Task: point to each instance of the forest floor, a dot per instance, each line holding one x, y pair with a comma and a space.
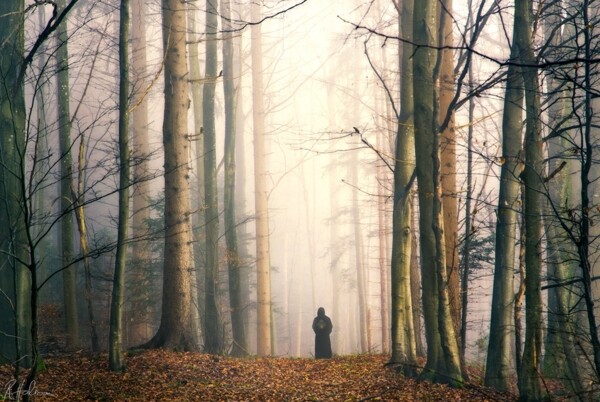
155, 375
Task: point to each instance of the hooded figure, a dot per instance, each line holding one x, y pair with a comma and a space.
322, 326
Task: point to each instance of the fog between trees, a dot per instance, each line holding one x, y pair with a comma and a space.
392, 164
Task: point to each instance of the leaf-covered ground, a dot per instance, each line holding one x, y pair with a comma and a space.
170, 376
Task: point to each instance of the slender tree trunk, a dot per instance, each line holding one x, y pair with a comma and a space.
116, 359
361, 281
586, 160
310, 235
382, 237
244, 236
14, 278
385, 126
42, 165
402, 327
466, 256
448, 161
560, 354
66, 184
530, 374
139, 327
263, 265
213, 340
233, 258
335, 252
79, 198
423, 60
198, 139
499, 361
448, 340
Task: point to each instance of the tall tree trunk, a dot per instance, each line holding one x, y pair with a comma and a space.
384, 117
244, 235
140, 323
116, 360
586, 160
234, 261
530, 373
41, 151
383, 247
448, 160
466, 256
66, 184
361, 281
499, 360
560, 354
423, 60
443, 364
448, 340
79, 197
213, 340
263, 264
403, 335
175, 331
14, 278
335, 252
198, 117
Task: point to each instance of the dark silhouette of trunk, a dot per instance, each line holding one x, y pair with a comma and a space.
560, 352
586, 160
213, 339
15, 330
66, 185
234, 261
530, 387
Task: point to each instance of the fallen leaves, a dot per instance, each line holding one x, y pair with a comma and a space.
168, 376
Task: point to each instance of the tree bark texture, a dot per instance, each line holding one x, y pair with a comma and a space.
443, 364
448, 161
402, 328
175, 330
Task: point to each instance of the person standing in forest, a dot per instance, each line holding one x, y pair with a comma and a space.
322, 326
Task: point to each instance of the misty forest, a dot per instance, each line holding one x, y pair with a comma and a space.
189, 182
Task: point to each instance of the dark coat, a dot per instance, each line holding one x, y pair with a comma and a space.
322, 326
